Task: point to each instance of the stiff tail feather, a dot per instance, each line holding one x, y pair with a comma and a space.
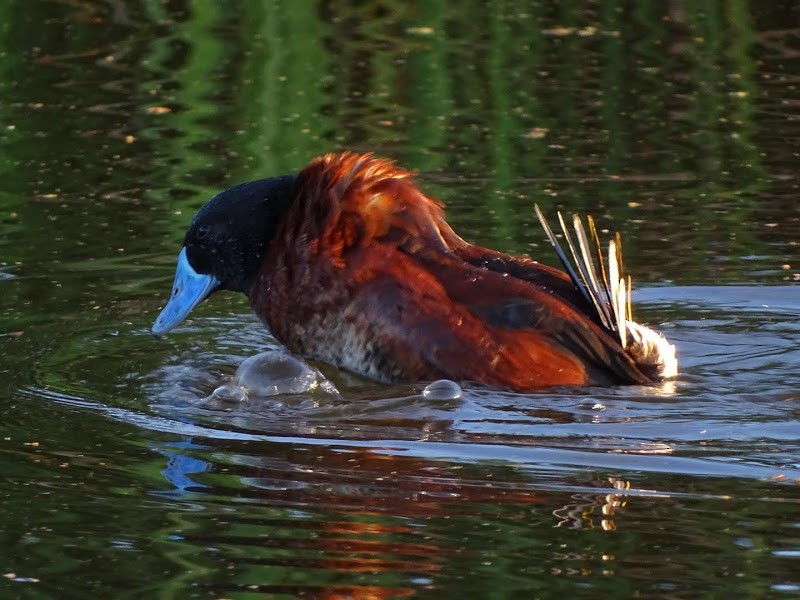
608, 292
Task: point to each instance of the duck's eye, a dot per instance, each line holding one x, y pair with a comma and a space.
202, 231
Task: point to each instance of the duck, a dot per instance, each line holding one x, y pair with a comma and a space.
349, 263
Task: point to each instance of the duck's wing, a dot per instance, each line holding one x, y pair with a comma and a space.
445, 318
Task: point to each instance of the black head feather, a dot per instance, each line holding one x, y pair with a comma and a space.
228, 236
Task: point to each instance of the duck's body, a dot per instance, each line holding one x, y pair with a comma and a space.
358, 268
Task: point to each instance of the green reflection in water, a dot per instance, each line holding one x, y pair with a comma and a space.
284, 100
665, 114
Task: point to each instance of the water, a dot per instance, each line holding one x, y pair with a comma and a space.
124, 477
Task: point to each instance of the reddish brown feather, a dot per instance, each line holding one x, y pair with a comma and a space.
366, 273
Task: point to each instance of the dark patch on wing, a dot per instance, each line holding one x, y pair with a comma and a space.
514, 313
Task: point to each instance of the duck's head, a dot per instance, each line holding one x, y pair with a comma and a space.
225, 244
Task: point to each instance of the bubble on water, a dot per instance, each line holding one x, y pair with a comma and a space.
229, 393
328, 387
442, 389
274, 372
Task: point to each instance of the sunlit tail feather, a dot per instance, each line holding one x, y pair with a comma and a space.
610, 295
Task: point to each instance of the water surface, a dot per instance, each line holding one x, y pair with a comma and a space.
677, 126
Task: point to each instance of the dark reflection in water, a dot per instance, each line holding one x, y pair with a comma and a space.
675, 124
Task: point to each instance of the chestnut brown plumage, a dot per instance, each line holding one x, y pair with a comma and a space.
358, 268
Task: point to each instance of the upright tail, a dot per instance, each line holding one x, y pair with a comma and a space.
610, 296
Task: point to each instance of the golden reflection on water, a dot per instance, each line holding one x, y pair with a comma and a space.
594, 511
